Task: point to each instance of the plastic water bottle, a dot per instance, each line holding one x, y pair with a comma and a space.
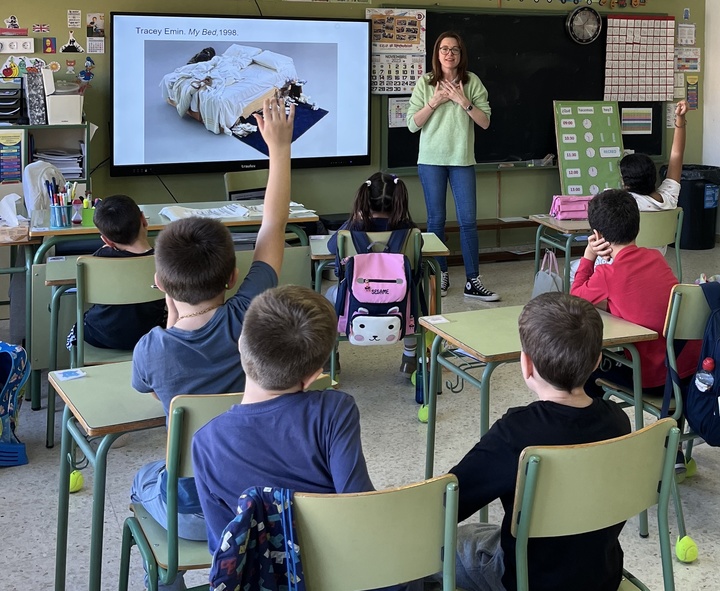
704, 379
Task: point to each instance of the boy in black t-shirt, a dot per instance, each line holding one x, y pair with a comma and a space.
123, 229
561, 340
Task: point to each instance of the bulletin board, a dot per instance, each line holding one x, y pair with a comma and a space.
590, 145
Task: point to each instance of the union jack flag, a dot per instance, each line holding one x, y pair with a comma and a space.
41, 28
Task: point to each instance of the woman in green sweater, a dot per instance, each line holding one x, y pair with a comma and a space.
446, 105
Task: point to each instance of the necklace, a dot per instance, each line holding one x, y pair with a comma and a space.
200, 313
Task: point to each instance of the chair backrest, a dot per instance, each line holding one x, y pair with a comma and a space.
413, 245
376, 539
687, 314
112, 281
244, 180
295, 270
660, 228
102, 280
573, 489
187, 414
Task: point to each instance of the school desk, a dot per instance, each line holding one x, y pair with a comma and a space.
432, 247
51, 236
491, 337
102, 405
559, 234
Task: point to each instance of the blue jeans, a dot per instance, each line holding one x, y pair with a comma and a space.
434, 180
146, 490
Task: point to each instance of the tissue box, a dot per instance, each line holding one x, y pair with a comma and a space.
64, 108
16, 234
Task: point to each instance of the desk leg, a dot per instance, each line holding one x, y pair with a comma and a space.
431, 399
568, 252
54, 311
319, 268
639, 420
435, 267
98, 512
299, 232
34, 386
63, 504
485, 414
538, 237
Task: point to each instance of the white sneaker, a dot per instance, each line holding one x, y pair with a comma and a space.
444, 283
474, 288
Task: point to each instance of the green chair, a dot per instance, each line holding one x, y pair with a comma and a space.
687, 315
163, 553
574, 489
350, 541
110, 281
296, 268
660, 228
413, 251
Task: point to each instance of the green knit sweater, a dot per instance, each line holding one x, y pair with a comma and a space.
448, 136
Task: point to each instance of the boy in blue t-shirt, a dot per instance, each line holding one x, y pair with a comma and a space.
195, 264
280, 435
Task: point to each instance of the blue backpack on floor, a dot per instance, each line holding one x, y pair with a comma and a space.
14, 372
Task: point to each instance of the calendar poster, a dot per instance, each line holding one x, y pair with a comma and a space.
395, 73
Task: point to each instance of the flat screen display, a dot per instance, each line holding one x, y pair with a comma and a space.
184, 89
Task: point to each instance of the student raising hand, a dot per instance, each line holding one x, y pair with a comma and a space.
275, 124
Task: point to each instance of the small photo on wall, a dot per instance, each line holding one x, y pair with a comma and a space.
49, 45
95, 24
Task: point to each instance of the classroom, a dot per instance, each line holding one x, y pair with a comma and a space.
394, 441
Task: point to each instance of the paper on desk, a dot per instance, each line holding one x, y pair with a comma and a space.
232, 210
436, 319
69, 374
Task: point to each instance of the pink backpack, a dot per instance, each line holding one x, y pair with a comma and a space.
375, 301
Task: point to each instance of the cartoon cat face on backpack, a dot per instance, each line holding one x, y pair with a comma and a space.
375, 330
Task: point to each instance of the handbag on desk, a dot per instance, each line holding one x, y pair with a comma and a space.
547, 279
568, 207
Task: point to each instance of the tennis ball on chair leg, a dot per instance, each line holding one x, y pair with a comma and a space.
686, 550
76, 481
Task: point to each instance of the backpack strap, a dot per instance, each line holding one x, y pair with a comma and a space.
711, 291
361, 242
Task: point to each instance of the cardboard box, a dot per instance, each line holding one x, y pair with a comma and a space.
61, 108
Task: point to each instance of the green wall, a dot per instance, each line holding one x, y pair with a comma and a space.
510, 193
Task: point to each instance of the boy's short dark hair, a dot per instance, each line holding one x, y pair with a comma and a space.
194, 259
639, 173
118, 218
615, 214
562, 335
288, 333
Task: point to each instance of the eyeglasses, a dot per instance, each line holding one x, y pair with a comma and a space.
445, 50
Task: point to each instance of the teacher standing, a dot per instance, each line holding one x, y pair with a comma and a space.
445, 107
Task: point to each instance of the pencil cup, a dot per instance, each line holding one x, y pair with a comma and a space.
87, 217
60, 216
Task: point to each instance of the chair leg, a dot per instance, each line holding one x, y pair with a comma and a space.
127, 544
50, 422
686, 549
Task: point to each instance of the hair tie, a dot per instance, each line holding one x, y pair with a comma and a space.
368, 182
395, 179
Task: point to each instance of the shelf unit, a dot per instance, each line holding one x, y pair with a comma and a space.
64, 137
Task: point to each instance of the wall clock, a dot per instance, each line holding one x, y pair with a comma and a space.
584, 25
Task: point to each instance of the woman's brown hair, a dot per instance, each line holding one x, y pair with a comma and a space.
436, 74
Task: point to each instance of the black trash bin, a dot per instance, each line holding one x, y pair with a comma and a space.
699, 186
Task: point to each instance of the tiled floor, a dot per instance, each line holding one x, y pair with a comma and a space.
394, 446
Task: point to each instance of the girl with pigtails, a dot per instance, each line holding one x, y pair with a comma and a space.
380, 205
